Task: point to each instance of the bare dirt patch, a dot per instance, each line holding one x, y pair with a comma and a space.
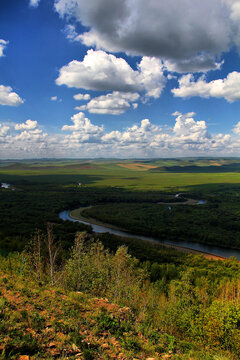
214, 163
139, 167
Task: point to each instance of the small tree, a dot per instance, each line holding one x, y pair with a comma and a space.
36, 254
53, 251
88, 268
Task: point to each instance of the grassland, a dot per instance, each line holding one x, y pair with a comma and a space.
142, 175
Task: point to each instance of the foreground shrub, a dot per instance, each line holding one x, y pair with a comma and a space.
93, 269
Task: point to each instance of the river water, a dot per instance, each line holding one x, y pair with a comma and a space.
215, 250
5, 185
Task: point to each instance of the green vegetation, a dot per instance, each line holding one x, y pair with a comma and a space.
44, 188
142, 174
216, 222
189, 311
100, 296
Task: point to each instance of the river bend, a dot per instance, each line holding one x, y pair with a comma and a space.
213, 250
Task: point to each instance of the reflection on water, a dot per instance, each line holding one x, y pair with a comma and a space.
215, 250
201, 202
5, 185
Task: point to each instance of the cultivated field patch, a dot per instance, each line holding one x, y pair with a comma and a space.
137, 166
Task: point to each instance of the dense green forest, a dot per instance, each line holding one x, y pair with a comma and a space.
216, 222
36, 201
32, 204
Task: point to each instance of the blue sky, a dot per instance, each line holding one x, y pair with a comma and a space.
119, 79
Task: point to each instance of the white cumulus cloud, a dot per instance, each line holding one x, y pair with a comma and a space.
99, 71
3, 44
34, 3
83, 138
28, 125
236, 128
8, 97
55, 98
187, 137
82, 97
151, 76
82, 130
4, 130
106, 72
25, 140
31, 135
115, 103
189, 131
228, 88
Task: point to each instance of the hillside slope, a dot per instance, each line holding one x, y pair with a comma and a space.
42, 323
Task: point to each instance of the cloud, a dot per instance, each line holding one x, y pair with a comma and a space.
8, 97
28, 125
30, 135
187, 137
115, 103
228, 88
82, 130
151, 76
142, 134
105, 72
235, 17
198, 63
55, 98
173, 29
81, 108
3, 44
99, 71
25, 140
4, 129
83, 138
236, 128
70, 32
187, 130
34, 3
82, 97
191, 137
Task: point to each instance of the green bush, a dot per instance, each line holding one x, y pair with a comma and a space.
95, 270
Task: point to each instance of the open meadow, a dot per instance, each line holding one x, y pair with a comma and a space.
167, 174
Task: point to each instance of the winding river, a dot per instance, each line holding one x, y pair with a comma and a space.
213, 250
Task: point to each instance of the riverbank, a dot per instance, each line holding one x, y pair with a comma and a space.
187, 202
76, 215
